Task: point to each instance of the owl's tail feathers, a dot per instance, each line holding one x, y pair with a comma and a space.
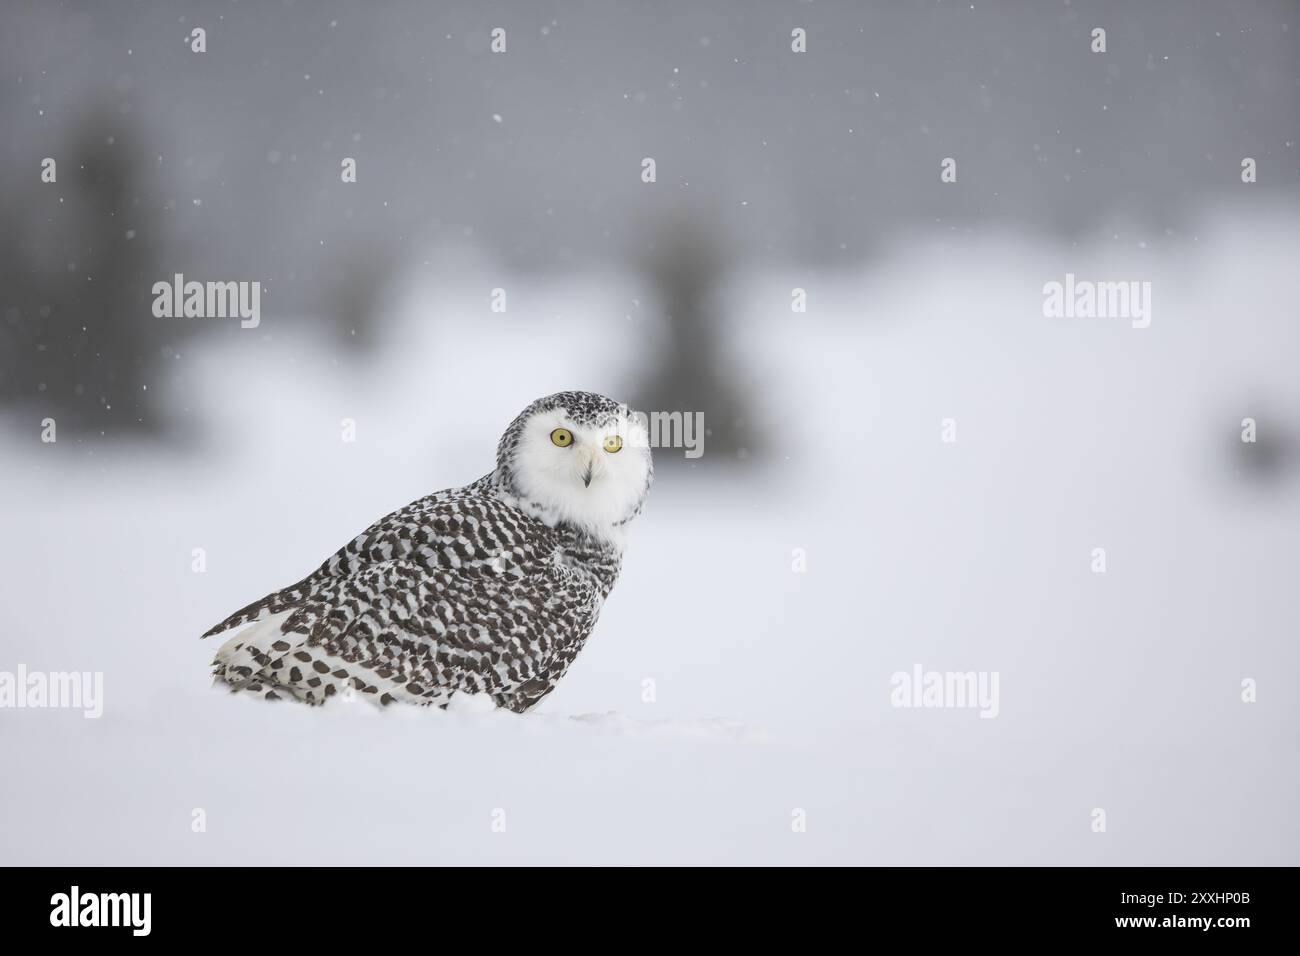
245, 615
273, 603
264, 660
244, 656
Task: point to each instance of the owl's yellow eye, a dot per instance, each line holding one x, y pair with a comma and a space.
613, 443
562, 437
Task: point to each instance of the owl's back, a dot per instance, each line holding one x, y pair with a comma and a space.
459, 591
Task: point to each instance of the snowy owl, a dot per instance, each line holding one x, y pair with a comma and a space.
491, 588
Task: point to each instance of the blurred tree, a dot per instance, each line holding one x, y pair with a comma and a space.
359, 281
693, 371
78, 338
1271, 453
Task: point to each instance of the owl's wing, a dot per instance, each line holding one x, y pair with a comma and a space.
451, 593
458, 530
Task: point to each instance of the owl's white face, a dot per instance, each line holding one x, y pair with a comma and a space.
584, 470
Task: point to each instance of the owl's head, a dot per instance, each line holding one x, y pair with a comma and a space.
579, 459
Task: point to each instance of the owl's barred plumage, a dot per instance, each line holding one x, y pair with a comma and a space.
492, 588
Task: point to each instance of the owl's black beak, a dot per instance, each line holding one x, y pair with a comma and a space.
586, 478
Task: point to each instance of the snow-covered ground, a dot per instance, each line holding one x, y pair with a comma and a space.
771, 688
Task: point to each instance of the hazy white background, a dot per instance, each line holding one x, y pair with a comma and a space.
1118, 691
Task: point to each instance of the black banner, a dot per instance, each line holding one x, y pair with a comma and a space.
1151, 906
